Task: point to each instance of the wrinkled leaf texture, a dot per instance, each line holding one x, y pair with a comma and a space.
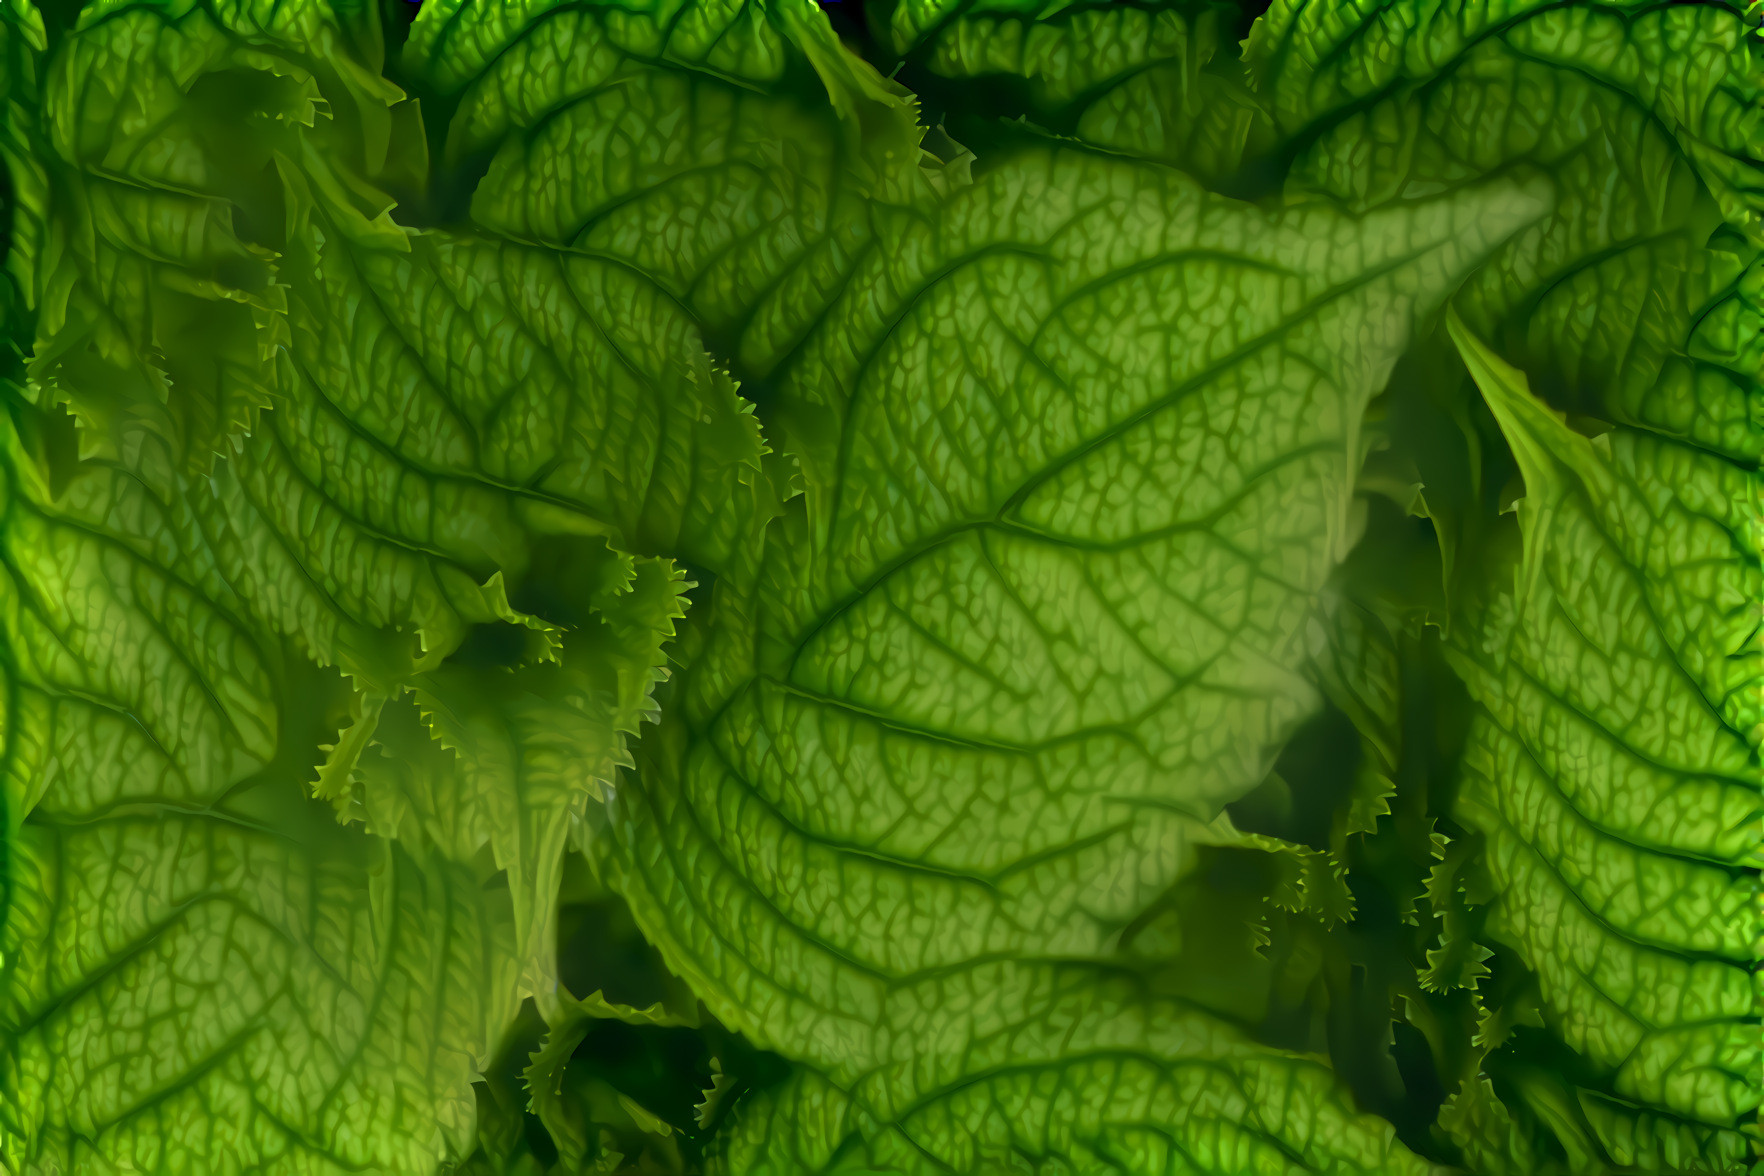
397, 418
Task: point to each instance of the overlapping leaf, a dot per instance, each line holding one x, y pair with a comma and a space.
979, 708
1046, 570
734, 155
1160, 82
1632, 304
376, 503
1613, 770
1648, 122
202, 967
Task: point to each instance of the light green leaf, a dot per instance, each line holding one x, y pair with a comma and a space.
452, 42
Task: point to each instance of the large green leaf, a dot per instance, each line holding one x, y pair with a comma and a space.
1031, 626
1613, 769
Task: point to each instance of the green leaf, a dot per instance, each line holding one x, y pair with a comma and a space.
21, 204
513, 758
200, 965
158, 126
453, 42
1160, 82
399, 492
321, 996
730, 154
977, 711
1230, 1107
545, 1075
1633, 304
1457, 960
1626, 301
1613, 764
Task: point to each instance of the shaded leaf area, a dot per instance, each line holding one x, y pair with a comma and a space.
1001, 710
21, 40
633, 1077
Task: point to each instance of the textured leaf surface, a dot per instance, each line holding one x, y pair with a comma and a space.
717, 150
202, 967
1621, 301
308, 999
1161, 82
1613, 766
1633, 303
370, 423
976, 712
